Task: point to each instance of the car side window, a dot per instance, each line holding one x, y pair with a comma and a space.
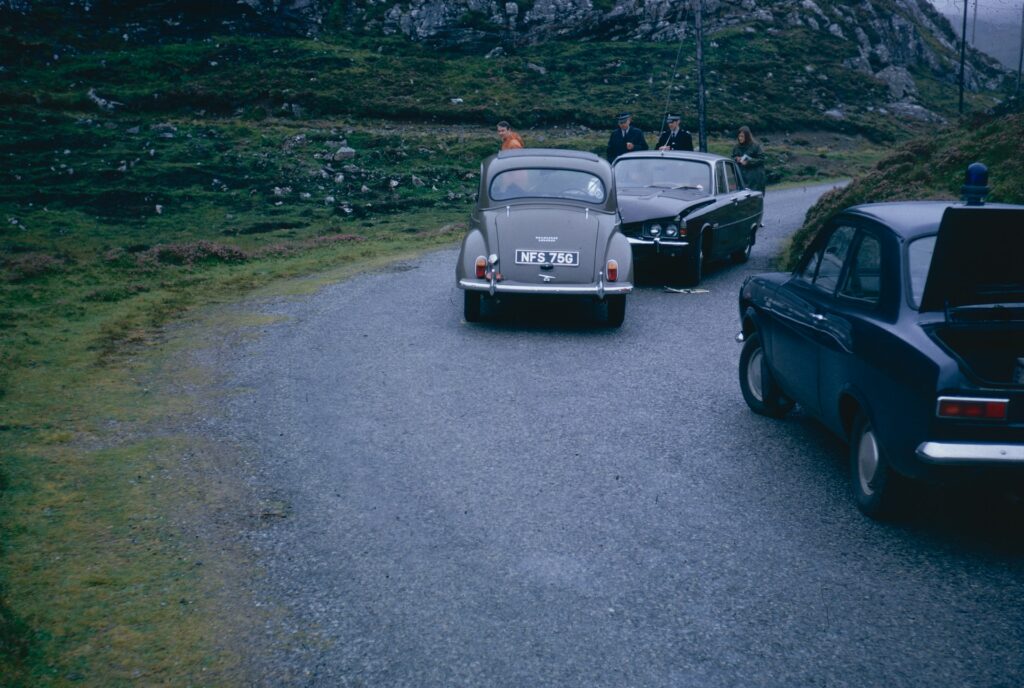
863, 280
720, 181
832, 258
730, 177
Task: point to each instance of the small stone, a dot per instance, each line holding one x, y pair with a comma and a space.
159, 209
365, 189
457, 101
344, 153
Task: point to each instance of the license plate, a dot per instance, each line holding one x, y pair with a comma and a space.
529, 257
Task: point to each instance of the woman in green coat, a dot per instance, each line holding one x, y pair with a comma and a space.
747, 152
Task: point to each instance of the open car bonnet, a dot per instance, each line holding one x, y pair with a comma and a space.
639, 204
978, 259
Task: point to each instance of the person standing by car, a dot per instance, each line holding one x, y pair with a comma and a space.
625, 138
675, 137
509, 138
748, 153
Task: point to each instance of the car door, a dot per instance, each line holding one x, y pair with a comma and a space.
748, 208
854, 324
728, 214
797, 309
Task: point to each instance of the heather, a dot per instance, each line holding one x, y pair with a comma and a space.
930, 167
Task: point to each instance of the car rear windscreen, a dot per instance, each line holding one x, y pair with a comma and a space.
547, 183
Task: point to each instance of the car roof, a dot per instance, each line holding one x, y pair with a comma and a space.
546, 157
547, 152
681, 155
910, 219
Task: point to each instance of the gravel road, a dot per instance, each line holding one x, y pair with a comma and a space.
536, 500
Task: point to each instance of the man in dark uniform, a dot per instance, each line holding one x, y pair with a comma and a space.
675, 137
625, 138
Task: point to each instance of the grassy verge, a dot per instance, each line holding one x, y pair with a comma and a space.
100, 587
928, 168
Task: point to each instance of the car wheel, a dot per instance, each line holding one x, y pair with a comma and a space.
757, 383
616, 310
471, 305
876, 487
744, 255
693, 264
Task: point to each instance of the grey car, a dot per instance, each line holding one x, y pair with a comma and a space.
545, 224
690, 207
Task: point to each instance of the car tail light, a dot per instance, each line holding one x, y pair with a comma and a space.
613, 270
972, 408
481, 267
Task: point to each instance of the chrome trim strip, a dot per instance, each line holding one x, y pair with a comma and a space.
503, 288
969, 453
634, 241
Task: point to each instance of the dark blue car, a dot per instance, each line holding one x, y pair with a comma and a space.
902, 330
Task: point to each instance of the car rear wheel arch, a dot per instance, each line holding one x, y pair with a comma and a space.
849, 407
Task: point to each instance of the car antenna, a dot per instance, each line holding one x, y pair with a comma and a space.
672, 75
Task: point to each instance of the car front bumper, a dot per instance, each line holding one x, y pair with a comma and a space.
673, 247
971, 453
599, 290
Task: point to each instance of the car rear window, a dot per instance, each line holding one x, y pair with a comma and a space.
919, 259
547, 183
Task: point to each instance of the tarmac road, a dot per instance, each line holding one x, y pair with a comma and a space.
536, 500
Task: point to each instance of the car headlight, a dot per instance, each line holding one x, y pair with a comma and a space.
655, 230
671, 231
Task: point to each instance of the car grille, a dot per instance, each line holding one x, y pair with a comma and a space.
633, 229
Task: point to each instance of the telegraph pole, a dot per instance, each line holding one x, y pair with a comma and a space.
702, 129
963, 56
974, 26
1020, 60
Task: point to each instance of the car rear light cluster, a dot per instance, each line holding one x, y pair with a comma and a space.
613, 270
972, 408
481, 267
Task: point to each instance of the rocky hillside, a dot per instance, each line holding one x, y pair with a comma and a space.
889, 36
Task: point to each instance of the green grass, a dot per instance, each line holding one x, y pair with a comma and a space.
929, 168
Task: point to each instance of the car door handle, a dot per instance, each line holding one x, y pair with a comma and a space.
817, 317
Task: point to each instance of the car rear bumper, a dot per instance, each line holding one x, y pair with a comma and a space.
971, 453
599, 290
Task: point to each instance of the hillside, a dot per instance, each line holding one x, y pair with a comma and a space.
930, 167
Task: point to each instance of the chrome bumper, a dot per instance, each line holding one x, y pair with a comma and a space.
965, 453
657, 243
600, 290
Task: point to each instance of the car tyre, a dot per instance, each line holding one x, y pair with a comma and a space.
616, 310
471, 302
693, 264
760, 390
744, 255
877, 488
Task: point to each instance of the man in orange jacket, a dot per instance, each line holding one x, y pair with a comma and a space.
509, 139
